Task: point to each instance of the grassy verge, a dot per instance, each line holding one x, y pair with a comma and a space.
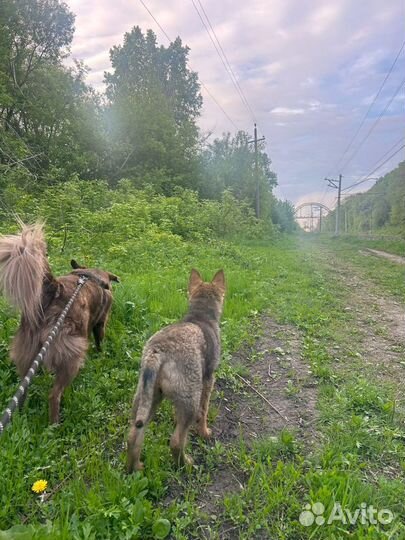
83, 458
389, 276
388, 244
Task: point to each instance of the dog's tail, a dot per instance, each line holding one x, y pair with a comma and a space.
146, 388
23, 266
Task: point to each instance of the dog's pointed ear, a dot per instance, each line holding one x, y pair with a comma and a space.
76, 266
194, 281
113, 277
219, 280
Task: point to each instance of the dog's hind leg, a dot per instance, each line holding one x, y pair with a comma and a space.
137, 434
185, 416
135, 442
66, 361
62, 380
202, 428
98, 333
100, 326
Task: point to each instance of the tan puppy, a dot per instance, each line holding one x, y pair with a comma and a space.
178, 363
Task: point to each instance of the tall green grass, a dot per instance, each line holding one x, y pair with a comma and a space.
83, 459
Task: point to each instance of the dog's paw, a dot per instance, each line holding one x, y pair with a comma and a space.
187, 460
133, 467
205, 433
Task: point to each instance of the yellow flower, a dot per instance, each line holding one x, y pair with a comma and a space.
39, 486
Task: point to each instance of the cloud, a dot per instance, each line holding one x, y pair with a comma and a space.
287, 110
322, 19
307, 68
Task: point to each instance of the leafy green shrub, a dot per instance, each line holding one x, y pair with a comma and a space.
86, 209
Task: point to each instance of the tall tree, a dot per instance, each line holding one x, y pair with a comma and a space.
230, 164
154, 101
50, 121
382, 206
34, 33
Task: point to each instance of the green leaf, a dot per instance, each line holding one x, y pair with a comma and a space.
18, 532
161, 528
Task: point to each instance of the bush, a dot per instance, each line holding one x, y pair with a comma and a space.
83, 210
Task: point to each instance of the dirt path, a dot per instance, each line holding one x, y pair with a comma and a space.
274, 366
379, 318
394, 258
277, 371
378, 328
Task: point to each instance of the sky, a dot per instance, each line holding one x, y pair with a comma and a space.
309, 69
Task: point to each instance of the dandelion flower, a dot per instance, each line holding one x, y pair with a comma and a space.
39, 486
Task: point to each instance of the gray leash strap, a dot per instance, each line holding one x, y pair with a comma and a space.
15, 400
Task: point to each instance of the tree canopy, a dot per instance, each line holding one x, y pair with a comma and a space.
381, 207
54, 127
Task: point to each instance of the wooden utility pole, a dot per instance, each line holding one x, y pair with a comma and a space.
337, 184
257, 175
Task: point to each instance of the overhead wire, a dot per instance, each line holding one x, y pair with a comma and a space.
374, 124
209, 93
364, 119
223, 57
370, 107
367, 177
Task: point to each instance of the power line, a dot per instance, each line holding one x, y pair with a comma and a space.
401, 140
201, 82
156, 21
219, 105
367, 177
370, 106
224, 59
228, 63
374, 124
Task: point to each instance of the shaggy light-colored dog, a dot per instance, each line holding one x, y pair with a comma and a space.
27, 283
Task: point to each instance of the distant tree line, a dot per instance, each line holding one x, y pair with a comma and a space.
54, 127
381, 208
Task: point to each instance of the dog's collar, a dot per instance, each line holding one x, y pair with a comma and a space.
91, 277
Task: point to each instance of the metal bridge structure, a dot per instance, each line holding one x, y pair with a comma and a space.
309, 215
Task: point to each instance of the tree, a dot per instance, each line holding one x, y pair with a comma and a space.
283, 215
154, 101
34, 33
380, 207
229, 163
50, 120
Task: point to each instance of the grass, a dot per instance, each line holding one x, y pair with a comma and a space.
360, 423
389, 244
389, 276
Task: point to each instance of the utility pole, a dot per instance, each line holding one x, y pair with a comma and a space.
257, 194
337, 184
